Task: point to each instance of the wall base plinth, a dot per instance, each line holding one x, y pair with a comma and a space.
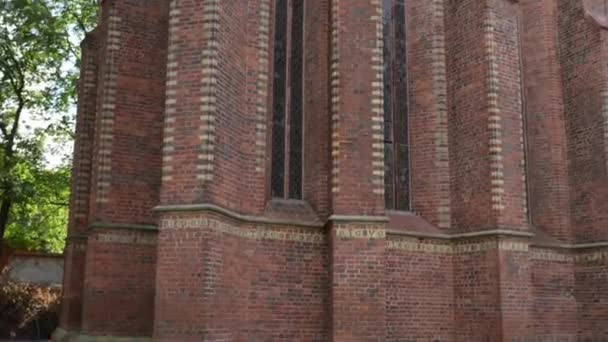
61, 335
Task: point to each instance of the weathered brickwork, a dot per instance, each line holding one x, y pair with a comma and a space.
81, 182
118, 291
429, 111
174, 234
419, 291
265, 282
583, 60
544, 108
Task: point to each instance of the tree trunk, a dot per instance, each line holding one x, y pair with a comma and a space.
4, 211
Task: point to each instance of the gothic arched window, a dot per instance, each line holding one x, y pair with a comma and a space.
287, 118
396, 128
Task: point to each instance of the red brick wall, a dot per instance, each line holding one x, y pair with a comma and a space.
130, 103
428, 111
119, 283
469, 174
591, 276
476, 296
485, 117
515, 290
234, 133
549, 186
357, 184
242, 281
419, 291
73, 284
358, 297
317, 162
188, 80
553, 293
126, 170
179, 93
585, 77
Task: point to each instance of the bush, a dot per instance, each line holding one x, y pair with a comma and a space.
27, 311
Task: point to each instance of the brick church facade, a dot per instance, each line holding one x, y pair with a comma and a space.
341, 170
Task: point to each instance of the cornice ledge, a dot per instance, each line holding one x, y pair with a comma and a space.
576, 246
127, 226
234, 215
484, 233
358, 219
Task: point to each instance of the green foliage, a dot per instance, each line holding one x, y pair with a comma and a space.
39, 222
39, 59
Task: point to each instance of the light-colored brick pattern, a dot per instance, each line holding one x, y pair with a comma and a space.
170, 93
494, 117
442, 156
335, 95
107, 110
209, 82
377, 105
261, 102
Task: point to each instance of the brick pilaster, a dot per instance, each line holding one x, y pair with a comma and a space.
357, 182
71, 313
485, 120
317, 127
128, 130
547, 162
191, 100
583, 30
216, 128
584, 52
357, 271
118, 293
492, 289
429, 146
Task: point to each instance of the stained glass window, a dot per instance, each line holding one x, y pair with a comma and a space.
396, 129
287, 122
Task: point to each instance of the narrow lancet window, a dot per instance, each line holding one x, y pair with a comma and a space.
396, 129
287, 94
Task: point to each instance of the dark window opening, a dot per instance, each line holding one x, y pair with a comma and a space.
396, 129
287, 118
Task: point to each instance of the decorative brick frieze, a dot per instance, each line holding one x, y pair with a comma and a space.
128, 239
574, 253
413, 245
540, 254
255, 232
370, 232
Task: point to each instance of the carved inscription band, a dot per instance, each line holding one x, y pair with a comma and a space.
255, 233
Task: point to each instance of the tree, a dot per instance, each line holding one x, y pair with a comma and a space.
39, 61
